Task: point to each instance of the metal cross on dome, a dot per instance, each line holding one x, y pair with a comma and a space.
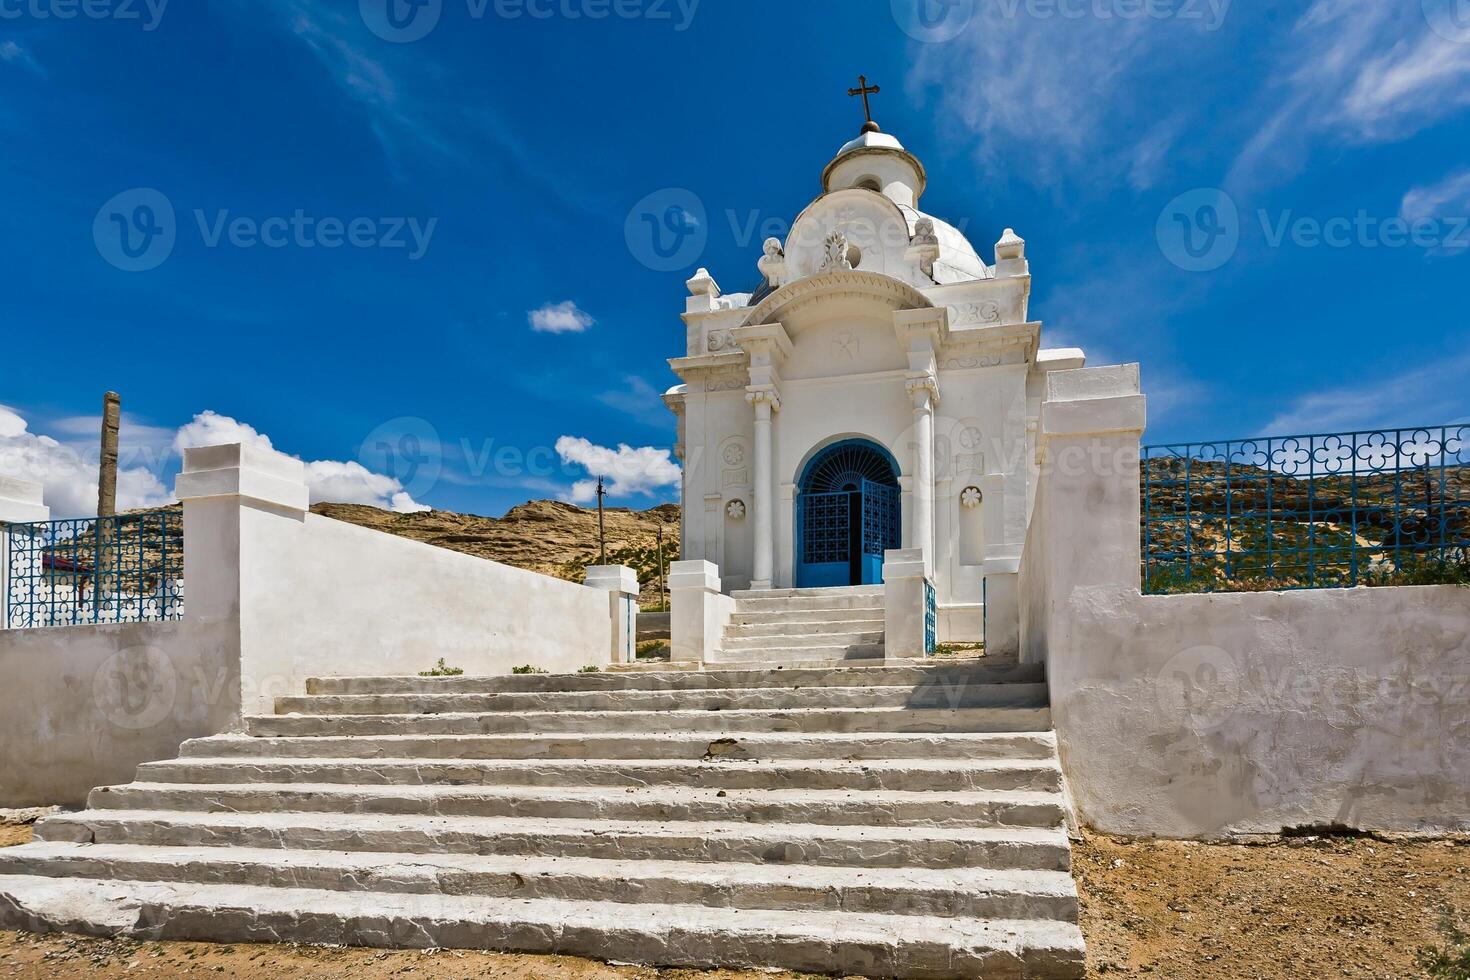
865, 90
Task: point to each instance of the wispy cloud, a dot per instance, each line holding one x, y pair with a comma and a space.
1013, 81
1429, 395
639, 399
11, 53
1353, 71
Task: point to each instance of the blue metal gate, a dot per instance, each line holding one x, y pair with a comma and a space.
847, 516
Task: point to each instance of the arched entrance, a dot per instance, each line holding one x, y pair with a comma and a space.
847, 515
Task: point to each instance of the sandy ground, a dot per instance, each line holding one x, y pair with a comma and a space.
1302, 908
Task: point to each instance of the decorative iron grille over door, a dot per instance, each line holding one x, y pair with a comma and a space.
881, 528
847, 516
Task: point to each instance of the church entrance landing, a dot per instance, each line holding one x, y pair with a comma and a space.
847, 515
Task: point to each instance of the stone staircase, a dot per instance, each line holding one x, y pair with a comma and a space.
905, 820
793, 626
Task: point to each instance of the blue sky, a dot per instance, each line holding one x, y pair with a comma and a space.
449, 311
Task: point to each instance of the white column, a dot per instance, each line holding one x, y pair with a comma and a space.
621, 584
236, 500
923, 392
766, 402
20, 503
698, 612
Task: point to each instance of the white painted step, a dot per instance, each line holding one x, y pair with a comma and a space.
876, 808
906, 775
879, 674
833, 592
786, 626
952, 693
736, 640
1034, 719
674, 935
807, 603
958, 892
1033, 848
836, 656
830, 747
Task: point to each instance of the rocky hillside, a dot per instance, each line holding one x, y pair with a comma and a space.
544, 536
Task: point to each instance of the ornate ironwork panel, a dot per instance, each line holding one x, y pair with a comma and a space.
124, 569
825, 527
881, 523
1379, 507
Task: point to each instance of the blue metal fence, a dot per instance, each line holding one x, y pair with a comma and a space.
931, 619
1377, 507
124, 569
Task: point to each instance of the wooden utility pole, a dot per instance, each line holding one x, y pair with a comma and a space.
107, 470
601, 527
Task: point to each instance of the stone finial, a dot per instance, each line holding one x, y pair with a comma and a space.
703, 284
1010, 255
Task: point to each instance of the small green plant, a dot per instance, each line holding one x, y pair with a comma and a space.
1452, 960
527, 669
442, 670
589, 669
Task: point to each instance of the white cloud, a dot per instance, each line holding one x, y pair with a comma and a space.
559, 318
212, 429
1450, 198
68, 471
332, 481
628, 471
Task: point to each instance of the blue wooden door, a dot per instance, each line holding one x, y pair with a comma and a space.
824, 520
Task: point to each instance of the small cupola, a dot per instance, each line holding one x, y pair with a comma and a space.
875, 161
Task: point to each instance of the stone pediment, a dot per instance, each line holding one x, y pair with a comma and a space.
846, 285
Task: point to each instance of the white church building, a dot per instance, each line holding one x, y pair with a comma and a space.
879, 391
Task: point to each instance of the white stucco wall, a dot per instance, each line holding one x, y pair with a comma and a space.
1226, 714
320, 597
82, 706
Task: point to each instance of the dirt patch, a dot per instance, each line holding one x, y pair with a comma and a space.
1302, 907
14, 834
